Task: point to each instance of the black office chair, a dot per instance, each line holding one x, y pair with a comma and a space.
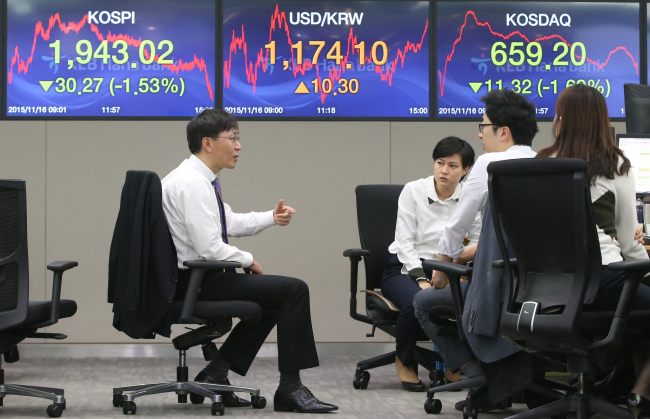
215, 318
19, 317
376, 217
544, 207
450, 317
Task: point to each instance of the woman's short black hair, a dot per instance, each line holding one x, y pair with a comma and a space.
453, 145
208, 123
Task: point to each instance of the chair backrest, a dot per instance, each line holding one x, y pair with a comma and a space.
14, 267
544, 208
376, 217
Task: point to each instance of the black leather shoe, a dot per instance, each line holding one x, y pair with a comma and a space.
415, 387
302, 401
228, 398
637, 404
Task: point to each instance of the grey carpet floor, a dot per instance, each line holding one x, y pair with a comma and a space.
88, 384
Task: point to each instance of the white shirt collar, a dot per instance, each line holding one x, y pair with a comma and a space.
202, 168
433, 196
517, 147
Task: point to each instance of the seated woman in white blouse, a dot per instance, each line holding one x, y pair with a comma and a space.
424, 208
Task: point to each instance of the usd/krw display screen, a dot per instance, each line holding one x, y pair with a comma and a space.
92, 58
326, 59
534, 48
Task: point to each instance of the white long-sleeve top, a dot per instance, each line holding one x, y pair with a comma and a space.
421, 219
192, 211
614, 210
473, 197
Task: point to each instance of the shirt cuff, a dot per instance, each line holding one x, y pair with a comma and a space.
454, 255
267, 220
417, 274
248, 260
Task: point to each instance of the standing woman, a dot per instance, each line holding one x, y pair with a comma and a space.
424, 207
581, 129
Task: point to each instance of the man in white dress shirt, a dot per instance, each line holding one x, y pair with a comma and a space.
200, 223
507, 132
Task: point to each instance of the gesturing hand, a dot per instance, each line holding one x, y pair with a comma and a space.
282, 214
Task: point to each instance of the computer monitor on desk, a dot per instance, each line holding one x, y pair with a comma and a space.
636, 147
637, 108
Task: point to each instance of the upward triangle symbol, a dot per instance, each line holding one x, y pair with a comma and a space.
302, 88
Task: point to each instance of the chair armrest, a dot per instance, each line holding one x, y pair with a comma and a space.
356, 253
355, 256
448, 268
62, 266
634, 270
198, 270
453, 271
57, 268
211, 264
631, 266
499, 264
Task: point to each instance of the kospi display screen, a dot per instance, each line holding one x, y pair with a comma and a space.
534, 48
92, 58
326, 59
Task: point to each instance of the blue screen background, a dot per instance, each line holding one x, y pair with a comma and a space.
395, 23
189, 25
601, 27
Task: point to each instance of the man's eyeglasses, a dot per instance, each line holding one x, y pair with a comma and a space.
234, 139
480, 127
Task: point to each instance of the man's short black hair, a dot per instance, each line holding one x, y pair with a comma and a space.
449, 146
208, 123
506, 108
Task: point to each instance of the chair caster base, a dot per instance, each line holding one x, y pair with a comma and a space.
361, 379
218, 407
258, 402
433, 406
128, 407
196, 398
55, 410
470, 413
118, 400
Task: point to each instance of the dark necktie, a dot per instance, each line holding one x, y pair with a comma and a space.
222, 216
222, 212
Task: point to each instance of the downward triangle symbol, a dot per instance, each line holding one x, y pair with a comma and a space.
45, 84
475, 86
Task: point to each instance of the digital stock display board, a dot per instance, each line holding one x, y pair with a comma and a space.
92, 58
534, 48
326, 59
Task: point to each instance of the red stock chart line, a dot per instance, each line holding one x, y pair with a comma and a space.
40, 31
442, 76
278, 19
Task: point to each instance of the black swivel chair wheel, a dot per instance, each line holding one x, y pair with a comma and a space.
55, 410
437, 378
118, 400
433, 406
361, 379
467, 413
196, 398
218, 407
258, 402
128, 407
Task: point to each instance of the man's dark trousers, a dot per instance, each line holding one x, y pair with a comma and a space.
284, 301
